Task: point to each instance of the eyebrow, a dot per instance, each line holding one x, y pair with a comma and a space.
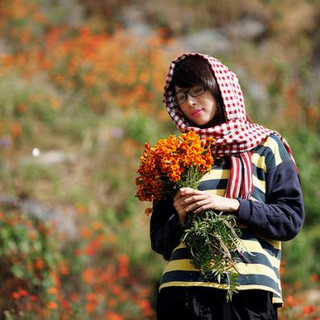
186, 89
181, 90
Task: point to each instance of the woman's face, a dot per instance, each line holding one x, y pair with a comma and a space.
202, 110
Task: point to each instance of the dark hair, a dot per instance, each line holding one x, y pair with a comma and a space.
194, 70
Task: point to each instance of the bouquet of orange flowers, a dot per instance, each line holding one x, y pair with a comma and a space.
212, 237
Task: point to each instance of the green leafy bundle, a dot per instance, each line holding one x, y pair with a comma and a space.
213, 240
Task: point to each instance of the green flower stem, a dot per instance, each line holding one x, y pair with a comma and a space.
212, 238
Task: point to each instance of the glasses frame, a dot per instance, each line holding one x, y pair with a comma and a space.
188, 92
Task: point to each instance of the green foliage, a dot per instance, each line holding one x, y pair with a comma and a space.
306, 149
212, 238
28, 257
142, 128
301, 255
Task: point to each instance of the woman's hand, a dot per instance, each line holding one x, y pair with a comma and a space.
188, 199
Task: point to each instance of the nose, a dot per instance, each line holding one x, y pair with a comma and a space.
191, 100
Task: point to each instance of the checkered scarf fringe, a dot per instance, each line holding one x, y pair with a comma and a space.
237, 137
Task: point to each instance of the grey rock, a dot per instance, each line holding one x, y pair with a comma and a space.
248, 28
210, 41
63, 217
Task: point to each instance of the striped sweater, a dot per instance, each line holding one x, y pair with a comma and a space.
273, 214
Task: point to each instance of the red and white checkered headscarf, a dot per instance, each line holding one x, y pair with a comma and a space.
236, 137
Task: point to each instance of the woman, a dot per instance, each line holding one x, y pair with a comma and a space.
254, 178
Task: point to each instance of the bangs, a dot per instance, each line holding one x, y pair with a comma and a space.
192, 71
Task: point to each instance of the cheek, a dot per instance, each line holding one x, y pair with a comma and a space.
182, 110
209, 101
211, 105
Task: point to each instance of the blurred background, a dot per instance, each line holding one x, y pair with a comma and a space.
81, 92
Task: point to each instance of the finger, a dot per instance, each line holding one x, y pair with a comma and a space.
190, 199
177, 195
179, 205
189, 191
198, 206
202, 208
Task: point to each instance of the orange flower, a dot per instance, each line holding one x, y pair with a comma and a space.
16, 129
314, 278
88, 276
85, 232
52, 305
53, 290
39, 263
148, 211
63, 268
309, 309
113, 316
97, 225
290, 301
164, 167
112, 303
32, 234
91, 298
123, 266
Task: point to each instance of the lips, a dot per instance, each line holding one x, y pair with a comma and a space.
196, 112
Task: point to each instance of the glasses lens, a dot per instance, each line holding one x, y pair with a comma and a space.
197, 91
179, 98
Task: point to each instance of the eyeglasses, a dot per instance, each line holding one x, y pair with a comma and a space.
181, 96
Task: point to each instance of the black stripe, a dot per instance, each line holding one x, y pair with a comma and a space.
284, 155
213, 184
222, 163
268, 154
245, 257
256, 258
194, 276
258, 172
181, 253
247, 234
184, 253
258, 194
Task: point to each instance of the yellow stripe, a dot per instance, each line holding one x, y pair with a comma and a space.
256, 269
242, 268
259, 184
180, 264
275, 243
219, 192
220, 286
273, 145
259, 161
277, 300
241, 225
180, 246
216, 174
191, 284
254, 246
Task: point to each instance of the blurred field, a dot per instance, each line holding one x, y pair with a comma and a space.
80, 93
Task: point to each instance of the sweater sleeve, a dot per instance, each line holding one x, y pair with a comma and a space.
165, 229
281, 216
